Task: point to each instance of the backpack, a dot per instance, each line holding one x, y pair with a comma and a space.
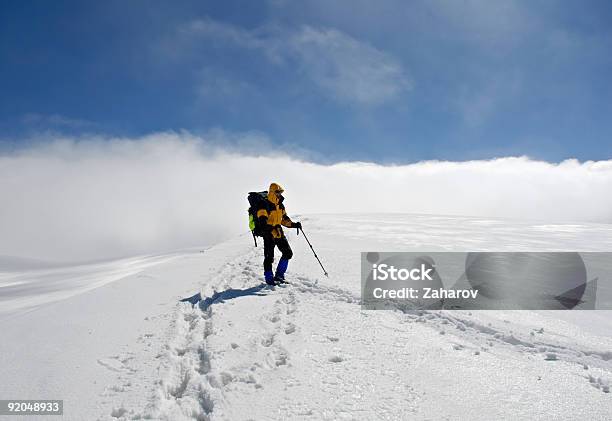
257, 201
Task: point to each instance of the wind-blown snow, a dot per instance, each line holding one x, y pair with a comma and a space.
26, 289
128, 350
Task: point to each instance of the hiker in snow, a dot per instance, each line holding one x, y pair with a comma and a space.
271, 216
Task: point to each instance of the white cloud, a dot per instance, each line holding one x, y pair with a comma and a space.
343, 67
350, 70
75, 199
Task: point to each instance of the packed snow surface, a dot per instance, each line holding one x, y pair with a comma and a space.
112, 340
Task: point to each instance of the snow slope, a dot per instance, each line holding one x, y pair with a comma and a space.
126, 349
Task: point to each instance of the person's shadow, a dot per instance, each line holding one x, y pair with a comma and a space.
217, 297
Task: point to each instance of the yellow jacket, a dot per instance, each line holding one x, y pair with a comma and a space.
274, 213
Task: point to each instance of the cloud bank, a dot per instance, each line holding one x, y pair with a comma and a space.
73, 199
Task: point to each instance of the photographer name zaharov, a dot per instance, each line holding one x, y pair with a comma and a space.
384, 272
414, 293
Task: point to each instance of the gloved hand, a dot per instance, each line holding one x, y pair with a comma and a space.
297, 225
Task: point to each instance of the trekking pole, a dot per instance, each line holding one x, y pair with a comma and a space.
315, 253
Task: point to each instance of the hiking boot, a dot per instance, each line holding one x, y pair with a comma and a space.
280, 280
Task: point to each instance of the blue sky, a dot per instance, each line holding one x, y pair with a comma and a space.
390, 82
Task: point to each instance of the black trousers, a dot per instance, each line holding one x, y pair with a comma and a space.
269, 244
